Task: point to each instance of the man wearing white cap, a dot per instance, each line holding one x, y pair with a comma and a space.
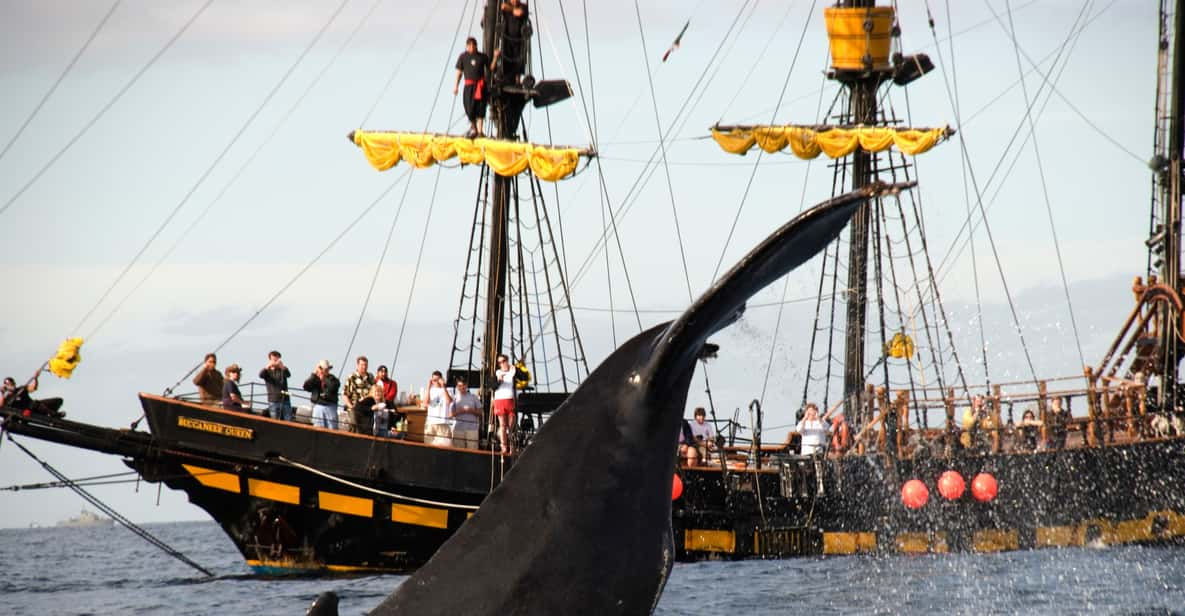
323, 387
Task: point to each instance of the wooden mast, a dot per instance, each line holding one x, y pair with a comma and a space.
1171, 271
505, 114
862, 87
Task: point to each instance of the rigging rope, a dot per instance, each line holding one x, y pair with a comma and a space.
240, 171
291, 281
951, 252
210, 168
61, 77
773, 116
435, 185
358, 486
953, 95
403, 60
113, 514
1041, 173
662, 148
107, 107
602, 184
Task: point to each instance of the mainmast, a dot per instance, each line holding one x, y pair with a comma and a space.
862, 84
1171, 270
505, 115
1164, 243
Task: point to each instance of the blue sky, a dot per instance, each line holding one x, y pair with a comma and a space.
69, 236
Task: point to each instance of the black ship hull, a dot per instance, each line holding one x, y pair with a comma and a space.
1112, 495
294, 498
298, 499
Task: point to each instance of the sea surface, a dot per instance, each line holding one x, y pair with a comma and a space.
111, 571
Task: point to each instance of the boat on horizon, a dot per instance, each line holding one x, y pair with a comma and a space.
86, 519
297, 498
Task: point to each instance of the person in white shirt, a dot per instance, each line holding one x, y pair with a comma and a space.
436, 422
465, 416
814, 431
504, 403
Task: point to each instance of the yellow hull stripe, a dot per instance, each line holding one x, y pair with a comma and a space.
709, 540
351, 505
214, 479
848, 543
1157, 525
420, 516
995, 540
287, 564
273, 491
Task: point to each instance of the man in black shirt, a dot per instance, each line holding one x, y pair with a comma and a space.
472, 65
18, 398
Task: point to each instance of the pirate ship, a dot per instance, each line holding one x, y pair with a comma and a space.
923, 472
297, 498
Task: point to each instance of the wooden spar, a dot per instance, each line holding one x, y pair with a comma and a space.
582, 150
947, 131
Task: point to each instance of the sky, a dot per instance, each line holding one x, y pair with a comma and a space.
229, 153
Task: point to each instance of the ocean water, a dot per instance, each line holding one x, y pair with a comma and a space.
111, 571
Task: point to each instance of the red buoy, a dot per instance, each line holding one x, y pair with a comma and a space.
914, 494
951, 485
676, 487
984, 487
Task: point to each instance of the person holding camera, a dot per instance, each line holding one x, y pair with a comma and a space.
705, 436
504, 403
323, 390
437, 401
275, 377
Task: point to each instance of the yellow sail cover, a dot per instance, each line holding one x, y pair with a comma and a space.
384, 150
808, 142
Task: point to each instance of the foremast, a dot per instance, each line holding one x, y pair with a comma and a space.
507, 289
862, 36
862, 83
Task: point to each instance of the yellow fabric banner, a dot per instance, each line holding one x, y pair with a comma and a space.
66, 359
802, 143
554, 164
770, 138
807, 143
506, 158
416, 150
838, 142
734, 141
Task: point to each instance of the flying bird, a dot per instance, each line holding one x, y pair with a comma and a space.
675, 45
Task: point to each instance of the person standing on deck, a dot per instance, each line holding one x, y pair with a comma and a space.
209, 381
232, 398
472, 65
322, 387
437, 402
390, 387
813, 430
465, 416
358, 387
275, 376
504, 403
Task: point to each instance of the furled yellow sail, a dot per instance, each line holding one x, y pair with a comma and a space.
384, 150
808, 142
66, 359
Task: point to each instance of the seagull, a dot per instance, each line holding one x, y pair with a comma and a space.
675, 45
